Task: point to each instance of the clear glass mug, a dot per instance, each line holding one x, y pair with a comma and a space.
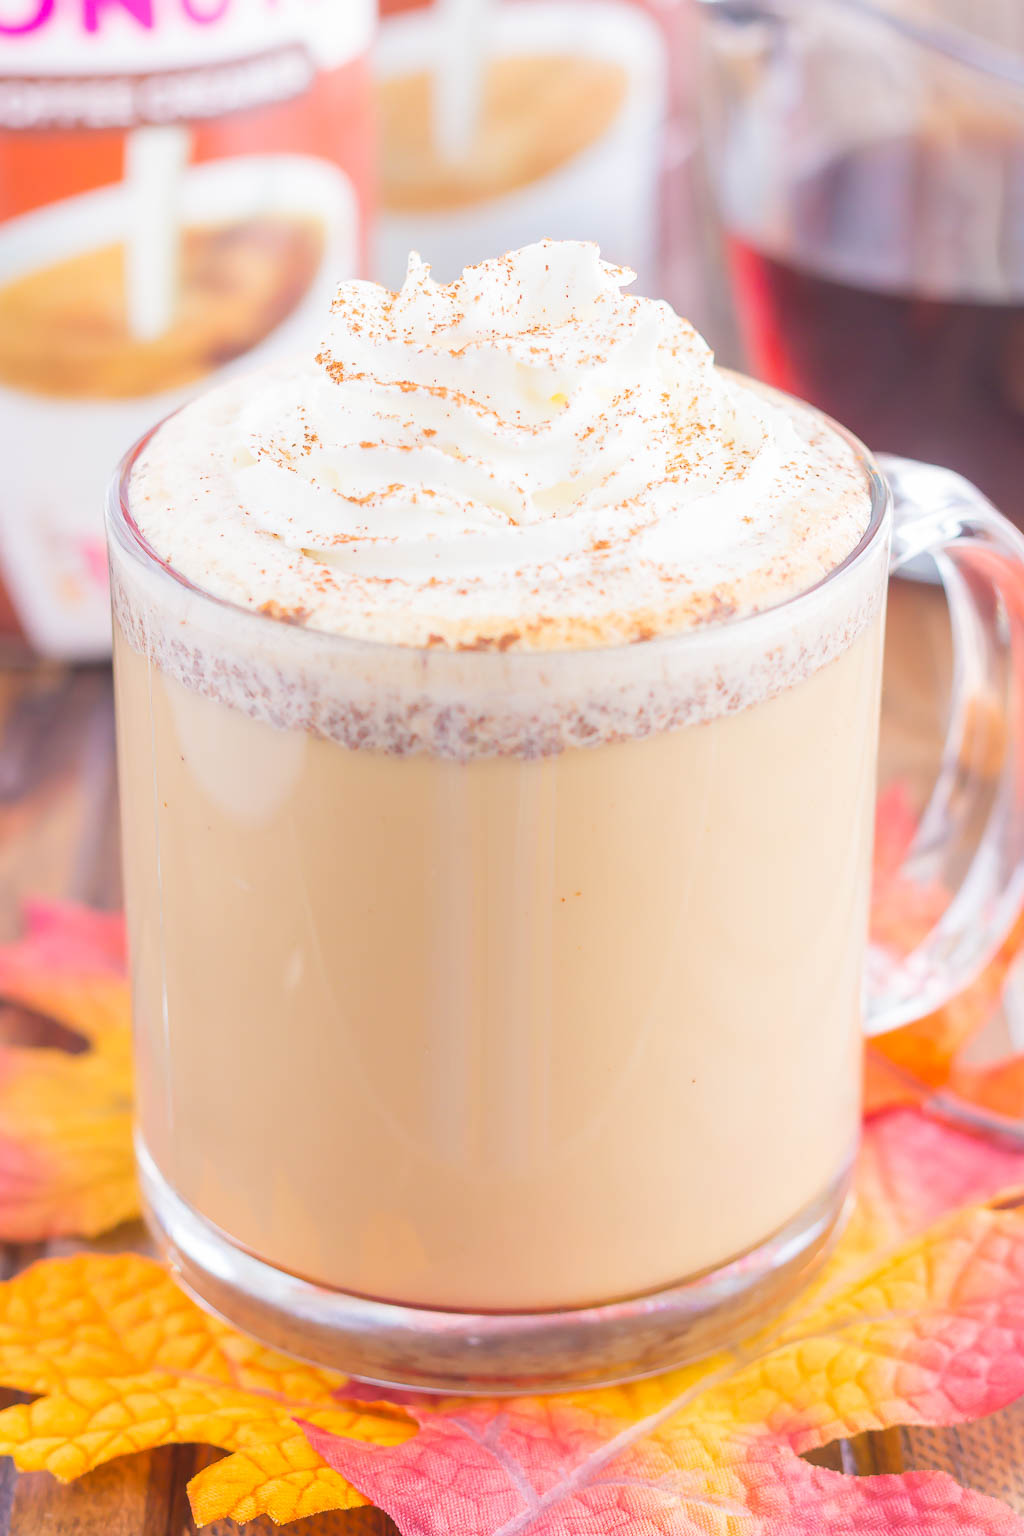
498, 1015
867, 161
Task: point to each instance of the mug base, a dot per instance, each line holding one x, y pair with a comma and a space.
488, 1353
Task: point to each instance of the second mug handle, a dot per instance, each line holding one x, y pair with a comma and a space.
970, 841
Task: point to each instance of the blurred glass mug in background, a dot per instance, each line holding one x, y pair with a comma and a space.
507, 121
868, 162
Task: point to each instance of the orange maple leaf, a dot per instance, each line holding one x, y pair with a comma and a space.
66, 1162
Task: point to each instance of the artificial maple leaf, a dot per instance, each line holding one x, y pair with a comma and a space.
555, 1467
932, 1334
918, 1063
124, 1361
997, 1088
906, 1065
66, 1162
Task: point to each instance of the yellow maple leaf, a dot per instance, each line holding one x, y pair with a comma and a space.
66, 1162
124, 1361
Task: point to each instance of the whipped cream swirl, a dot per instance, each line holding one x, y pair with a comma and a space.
525, 458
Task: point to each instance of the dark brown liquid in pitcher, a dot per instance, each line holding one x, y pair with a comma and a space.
933, 377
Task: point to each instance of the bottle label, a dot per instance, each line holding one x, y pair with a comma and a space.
183, 183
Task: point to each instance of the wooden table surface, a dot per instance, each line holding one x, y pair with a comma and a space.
58, 838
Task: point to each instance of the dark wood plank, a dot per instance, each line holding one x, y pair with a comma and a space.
988, 1454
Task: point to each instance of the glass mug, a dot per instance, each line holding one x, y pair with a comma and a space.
867, 160
498, 1015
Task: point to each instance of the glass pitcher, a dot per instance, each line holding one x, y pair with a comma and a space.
867, 159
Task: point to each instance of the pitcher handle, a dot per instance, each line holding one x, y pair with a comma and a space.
980, 559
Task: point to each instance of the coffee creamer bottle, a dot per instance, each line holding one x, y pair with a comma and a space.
182, 185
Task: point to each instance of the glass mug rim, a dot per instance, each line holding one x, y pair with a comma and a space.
123, 528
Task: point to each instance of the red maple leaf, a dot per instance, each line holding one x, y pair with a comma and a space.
918, 1317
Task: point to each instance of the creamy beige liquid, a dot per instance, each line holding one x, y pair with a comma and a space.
500, 1033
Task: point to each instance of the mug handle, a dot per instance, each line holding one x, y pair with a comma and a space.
980, 785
